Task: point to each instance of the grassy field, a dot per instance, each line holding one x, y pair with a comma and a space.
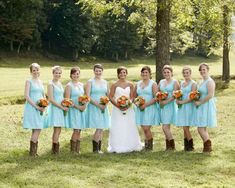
137, 169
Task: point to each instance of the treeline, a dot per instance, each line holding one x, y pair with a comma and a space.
113, 29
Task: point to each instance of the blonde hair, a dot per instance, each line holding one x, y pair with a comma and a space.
168, 67
187, 68
203, 64
34, 65
55, 68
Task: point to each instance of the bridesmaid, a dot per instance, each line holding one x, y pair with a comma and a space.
34, 91
168, 110
56, 117
98, 114
147, 115
185, 112
76, 114
205, 114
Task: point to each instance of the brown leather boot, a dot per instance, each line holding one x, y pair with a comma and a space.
172, 144
73, 145
186, 144
100, 146
167, 144
207, 146
190, 145
146, 145
95, 146
55, 148
78, 147
149, 144
33, 149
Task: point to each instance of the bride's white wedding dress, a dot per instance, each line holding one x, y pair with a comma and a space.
123, 135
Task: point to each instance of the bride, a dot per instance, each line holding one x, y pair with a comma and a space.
123, 136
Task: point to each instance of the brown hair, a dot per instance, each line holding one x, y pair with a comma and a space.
187, 68
34, 65
147, 68
55, 68
119, 69
74, 70
98, 66
203, 64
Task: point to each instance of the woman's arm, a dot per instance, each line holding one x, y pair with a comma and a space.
111, 95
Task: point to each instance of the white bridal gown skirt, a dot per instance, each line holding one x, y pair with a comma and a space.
123, 136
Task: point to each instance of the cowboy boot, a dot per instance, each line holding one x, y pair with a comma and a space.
55, 148
146, 145
172, 144
150, 144
77, 149
207, 146
95, 146
73, 146
33, 149
167, 144
100, 145
190, 145
186, 144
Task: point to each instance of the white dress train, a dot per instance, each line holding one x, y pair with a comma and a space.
123, 135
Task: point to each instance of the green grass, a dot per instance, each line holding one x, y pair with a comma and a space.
138, 169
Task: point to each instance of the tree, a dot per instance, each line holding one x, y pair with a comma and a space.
162, 36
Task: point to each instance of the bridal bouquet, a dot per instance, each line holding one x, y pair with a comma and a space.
43, 103
83, 99
178, 95
123, 102
103, 101
66, 103
160, 96
139, 101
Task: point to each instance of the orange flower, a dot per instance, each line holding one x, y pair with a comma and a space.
104, 100
123, 102
177, 94
83, 99
139, 101
67, 102
194, 95
43, 103
161, 96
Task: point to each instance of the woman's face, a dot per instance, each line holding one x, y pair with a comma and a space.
75, 76
98, 72
186, 74
122, 74
35, 72
57, 74
204, 71
167, 74
145, 75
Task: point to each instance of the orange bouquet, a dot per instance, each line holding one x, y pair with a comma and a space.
139, 101
103, 101
195, 96
83, 99
43, 103
160, 96
66, 103
123, 102
178, 95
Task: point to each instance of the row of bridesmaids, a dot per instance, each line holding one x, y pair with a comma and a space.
200, 113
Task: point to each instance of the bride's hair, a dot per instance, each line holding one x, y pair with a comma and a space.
119, 69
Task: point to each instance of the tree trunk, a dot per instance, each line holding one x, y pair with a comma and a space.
126, 55
226, 67
11, 46
19, 46
162, 36
75, 54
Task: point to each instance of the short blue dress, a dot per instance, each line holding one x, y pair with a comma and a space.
205, 114
75, 118
55, 117
95, 117
32, 118
150, 115
168, 113
186, 111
